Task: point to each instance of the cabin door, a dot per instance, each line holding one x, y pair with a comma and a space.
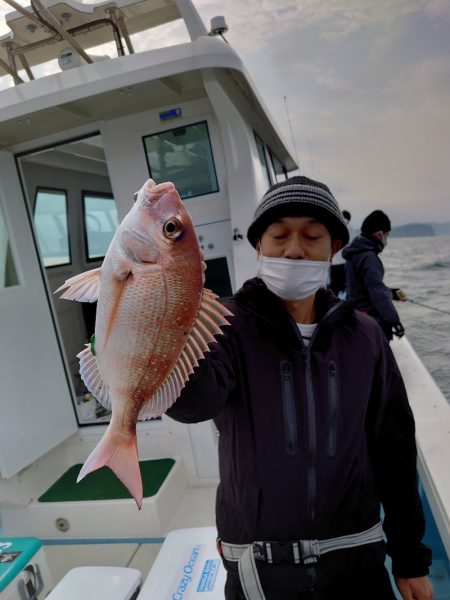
36, 411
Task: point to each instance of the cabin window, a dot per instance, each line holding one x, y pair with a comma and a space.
100, 223
50, 221
8, 273
279, 170
184, 156
260, 146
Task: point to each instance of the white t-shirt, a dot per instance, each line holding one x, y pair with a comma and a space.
307, 330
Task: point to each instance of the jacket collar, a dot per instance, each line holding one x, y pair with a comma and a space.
256, 298
361, 243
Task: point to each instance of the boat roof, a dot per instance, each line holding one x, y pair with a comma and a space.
127, 83
138, 15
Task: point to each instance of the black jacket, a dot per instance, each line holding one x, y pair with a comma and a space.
311, 439
365, 287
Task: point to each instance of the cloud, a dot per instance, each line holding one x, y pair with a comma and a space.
330, 81
255, 22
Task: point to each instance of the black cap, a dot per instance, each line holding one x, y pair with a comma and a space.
376, 221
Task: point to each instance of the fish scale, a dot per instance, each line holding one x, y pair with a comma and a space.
154, 323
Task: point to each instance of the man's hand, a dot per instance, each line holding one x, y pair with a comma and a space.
416, 588
398, 294
202, 256
398, 330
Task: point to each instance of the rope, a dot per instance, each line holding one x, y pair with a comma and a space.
445, 312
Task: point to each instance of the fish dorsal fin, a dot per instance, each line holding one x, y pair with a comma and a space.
91, 376
210, 318
83, 287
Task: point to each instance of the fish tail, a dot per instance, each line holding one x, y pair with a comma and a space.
119, 453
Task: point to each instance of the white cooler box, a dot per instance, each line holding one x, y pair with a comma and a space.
188, 566
24, 573
95, 583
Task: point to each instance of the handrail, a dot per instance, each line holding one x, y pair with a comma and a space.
432, 416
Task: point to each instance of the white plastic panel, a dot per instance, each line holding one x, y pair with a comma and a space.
93, 583
36, 411
188, 566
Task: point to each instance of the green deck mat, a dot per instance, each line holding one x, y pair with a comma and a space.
104, 485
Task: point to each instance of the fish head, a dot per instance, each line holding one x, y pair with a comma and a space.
161, 225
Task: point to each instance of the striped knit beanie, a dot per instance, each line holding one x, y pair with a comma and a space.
299, 196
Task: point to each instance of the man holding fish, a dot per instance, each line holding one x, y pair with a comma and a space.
316, 432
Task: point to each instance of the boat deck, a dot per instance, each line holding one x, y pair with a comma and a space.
196, 510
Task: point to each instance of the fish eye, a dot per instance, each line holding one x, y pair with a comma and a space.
172, 229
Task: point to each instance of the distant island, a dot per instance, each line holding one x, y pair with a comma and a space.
413, 230
441, 228
421, 229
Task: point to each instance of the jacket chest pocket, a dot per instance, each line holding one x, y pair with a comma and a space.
332, 409
289, 412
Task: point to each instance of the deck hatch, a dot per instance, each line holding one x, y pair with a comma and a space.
103, 484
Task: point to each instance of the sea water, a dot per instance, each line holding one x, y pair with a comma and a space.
421, 267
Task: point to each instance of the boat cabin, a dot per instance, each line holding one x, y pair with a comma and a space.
76, 145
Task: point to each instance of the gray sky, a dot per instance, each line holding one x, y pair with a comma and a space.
367, 86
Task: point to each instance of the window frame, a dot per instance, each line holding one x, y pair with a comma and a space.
12, 251
268, 172
50, 189
106, 196
180, 126
272, 157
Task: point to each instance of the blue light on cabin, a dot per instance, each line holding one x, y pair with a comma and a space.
173, 113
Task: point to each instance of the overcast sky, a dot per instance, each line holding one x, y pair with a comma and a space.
367, 84
367, 87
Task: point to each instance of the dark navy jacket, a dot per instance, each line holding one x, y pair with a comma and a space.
365, 287
311, 439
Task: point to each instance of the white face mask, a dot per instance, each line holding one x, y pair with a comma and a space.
382, 239
292, 279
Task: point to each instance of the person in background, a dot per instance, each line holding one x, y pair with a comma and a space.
315, 428
337, 272
365, 273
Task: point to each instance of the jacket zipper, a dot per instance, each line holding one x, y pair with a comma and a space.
289, 413
312, 436
332, 408
310, 403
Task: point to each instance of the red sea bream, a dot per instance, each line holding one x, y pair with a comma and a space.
154, 322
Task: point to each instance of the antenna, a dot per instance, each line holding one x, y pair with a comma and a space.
290, 129
218, 27
311, 158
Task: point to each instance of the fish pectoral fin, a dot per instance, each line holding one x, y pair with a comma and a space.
84, 287
122, 268
210, 319
91, 376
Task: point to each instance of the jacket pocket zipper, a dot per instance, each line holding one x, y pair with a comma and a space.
332, 408
289, 414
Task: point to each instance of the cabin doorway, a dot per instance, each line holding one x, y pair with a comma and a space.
68, 190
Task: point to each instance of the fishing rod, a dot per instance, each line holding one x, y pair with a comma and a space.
427, 306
